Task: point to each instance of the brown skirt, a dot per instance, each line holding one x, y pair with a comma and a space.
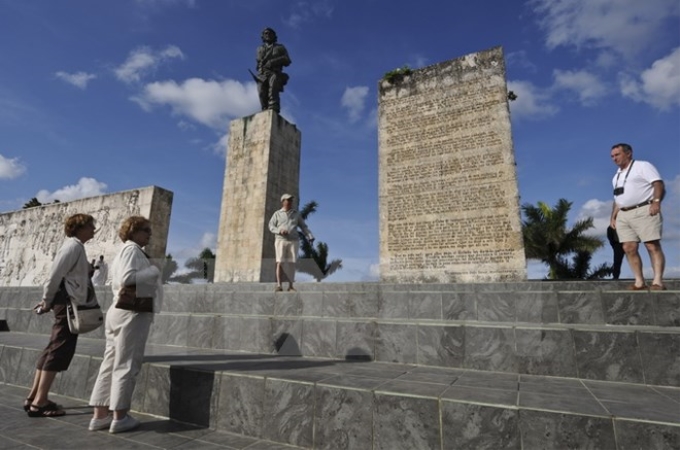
59, 352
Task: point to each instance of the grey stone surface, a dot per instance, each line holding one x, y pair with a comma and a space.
393, 305
495, 307
341, 417
479, 427
405, 423
312, 304
169, 329
628, 308
362, 304
158, 388
545, 352
9, 365
356, 340
667, 308
646, 436
396, 343
608, 356
227, 333
288, 412
495, 397
425, 305
459, 306
490, 349
318, 338
241, 405
553, 431
580, 307
536, 307
73, 382
660, 358
441, 345
287, 337
256, 335
201, 330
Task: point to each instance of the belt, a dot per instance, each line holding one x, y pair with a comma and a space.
628, 208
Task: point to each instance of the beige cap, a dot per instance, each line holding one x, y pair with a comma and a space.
286, 197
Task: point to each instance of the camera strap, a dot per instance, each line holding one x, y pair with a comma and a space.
616, 183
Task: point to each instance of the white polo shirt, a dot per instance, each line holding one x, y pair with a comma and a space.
637, 184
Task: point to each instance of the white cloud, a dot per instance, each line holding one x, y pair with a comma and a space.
220, 147
532, 102
600, 211
209, 240
86, 187
144, 60
586, 85
354, 100
625, 27
10, 168
211, 103
78, 79
521, 60
659, 86
308, 11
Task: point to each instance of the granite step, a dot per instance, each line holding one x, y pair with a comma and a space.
353, 404
602, 335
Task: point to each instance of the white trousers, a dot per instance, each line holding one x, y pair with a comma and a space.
126, 334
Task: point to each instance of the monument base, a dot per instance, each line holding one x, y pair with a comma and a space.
263, 162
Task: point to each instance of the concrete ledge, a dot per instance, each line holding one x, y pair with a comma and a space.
321, 403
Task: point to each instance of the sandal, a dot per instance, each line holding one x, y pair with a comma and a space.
29, 401
49, 410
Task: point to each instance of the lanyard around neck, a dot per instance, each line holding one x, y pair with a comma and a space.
616, 183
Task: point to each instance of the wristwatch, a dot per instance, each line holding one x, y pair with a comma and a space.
656, 200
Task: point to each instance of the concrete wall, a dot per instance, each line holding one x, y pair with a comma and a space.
29, 238
263, 162
449, 202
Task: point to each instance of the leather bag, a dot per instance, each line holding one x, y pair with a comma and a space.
128, 300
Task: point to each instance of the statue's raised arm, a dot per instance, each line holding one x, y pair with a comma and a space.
272, 57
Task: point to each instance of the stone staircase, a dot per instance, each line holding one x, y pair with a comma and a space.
385, 366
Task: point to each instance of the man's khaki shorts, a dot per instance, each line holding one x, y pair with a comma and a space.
286, 251
637, 225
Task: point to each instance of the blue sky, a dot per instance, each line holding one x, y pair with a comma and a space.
104, 96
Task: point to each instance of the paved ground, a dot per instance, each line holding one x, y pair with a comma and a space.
18, 431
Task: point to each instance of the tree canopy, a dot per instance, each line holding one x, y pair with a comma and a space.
314, 260
547, 238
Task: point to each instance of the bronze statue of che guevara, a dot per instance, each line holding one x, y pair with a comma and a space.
272, 57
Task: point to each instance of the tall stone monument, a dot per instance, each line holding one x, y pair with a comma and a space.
263, 162
449, 202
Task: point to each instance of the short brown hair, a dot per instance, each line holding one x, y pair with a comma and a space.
77, 221
625, 147
130, 226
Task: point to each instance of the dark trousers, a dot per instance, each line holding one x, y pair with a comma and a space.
59, 352
618, 259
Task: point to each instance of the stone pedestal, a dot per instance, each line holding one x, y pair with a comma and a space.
449, 202
263, 162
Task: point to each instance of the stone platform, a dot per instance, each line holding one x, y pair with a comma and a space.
361, 366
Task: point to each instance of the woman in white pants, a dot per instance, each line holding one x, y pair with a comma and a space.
126, 330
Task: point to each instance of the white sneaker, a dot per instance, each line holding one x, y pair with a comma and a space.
100, 424
126, 424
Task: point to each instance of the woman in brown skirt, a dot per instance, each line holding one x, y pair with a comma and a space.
69, 277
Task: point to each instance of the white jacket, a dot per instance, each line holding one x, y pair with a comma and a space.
71, 265
131, 267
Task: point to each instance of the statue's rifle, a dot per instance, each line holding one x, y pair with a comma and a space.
255, 77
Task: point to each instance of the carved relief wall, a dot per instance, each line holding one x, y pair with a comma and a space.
29, 238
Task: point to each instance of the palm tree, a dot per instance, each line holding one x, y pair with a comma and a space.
202, 267
579, 269
547, 238
314, 261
